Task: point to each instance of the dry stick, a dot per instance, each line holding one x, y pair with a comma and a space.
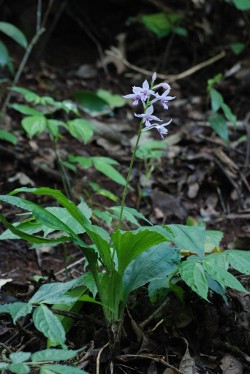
114, 52
99, 357
155, 314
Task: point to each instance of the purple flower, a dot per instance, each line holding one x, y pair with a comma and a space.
147, 116
140, 93
164, 98
160, 128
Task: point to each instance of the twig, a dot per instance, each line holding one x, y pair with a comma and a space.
115, 52
155, 358
21, 67
99, 357
155, 314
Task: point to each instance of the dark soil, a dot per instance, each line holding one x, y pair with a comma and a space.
198, 178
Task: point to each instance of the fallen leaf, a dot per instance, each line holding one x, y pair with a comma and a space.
230, 365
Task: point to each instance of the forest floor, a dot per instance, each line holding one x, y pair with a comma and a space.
198, 178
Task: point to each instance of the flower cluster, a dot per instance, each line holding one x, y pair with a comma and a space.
148, 96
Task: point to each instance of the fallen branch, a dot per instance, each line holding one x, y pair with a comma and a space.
116, 53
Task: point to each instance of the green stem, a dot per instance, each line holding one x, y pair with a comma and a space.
124, 194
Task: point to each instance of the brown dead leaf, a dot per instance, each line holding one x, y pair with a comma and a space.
230, 365
22, 178
187, 364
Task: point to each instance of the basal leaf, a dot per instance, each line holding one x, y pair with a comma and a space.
49, 325
156, 262
53, 293
129, 244
31, 238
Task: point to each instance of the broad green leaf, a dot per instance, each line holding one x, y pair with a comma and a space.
16, 310
114, 101
129, 244
216, 287
188, 238
80, 129
104, 166
193, 274
34, 125
53, 355
239, 260
212, 240
129, 214
108, 194
14, 33
98, 235
31, 238
54, 293
89, 281
42, 214
216, 99
18, 357
8, 137
19, 368
112, 296
229, 114
86, 162
90, 103
156, 262
49, 325
217, 259
3, 365
24, 109
4, 55
242, 4
223, 277
53, 127
28, 95
161, 24
61, 369
74, 307
219, 125
237, 48
182, 31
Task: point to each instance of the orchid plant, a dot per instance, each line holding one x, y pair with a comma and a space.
119, 262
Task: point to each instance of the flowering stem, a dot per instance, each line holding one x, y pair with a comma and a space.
124, 194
